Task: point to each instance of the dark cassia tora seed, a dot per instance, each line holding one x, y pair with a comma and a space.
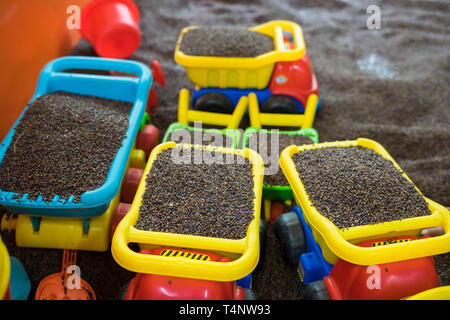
355, 186
211, 200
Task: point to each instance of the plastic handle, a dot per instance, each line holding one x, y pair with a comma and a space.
297, 34
238, 113
95, 63
279, 26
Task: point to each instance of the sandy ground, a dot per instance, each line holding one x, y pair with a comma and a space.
390, 85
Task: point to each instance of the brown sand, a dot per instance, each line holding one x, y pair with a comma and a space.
397, 95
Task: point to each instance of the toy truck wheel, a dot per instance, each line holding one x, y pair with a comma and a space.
262, 242
214, 102
250, 294
316, 291
148, 138
279, 104
130, 184
289, 231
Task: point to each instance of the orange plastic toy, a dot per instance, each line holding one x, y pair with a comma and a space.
55, 286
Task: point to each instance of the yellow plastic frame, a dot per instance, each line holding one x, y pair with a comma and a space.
339, 243
246, 250
68, 233
243, 73
230, 121
303, 121
5, 269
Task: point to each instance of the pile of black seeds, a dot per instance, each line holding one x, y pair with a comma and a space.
225, 42
207, 138
212, 200
355, 186
276, 280
264, 147
64, 145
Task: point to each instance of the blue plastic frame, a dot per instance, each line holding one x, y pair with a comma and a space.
124, 88
312, 265
20, 284
245, 282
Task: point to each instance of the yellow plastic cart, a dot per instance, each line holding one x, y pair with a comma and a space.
242, 73
243, 252
340, 243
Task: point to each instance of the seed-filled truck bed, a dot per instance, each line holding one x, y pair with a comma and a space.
352, 191
64, 145
199, 197
66, 154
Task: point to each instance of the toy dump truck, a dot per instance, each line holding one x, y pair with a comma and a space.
282, 79
83, 225
335, 261
199, 267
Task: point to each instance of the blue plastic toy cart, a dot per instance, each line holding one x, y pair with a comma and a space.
56, 76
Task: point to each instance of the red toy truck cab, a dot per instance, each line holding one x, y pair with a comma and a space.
389, 281
157, 287
294, 79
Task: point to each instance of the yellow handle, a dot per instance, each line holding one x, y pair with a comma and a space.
183, 106
276, 28
310, 111
238, 113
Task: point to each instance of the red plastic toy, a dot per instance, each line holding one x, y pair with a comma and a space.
130, 184
121, 210
157, 287
148, 138
112, 27
389, 281
294, 79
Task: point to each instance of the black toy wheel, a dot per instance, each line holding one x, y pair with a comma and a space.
316, 291
289, 231
214, 102
123, 291
279, 104
262, 243
250, 294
